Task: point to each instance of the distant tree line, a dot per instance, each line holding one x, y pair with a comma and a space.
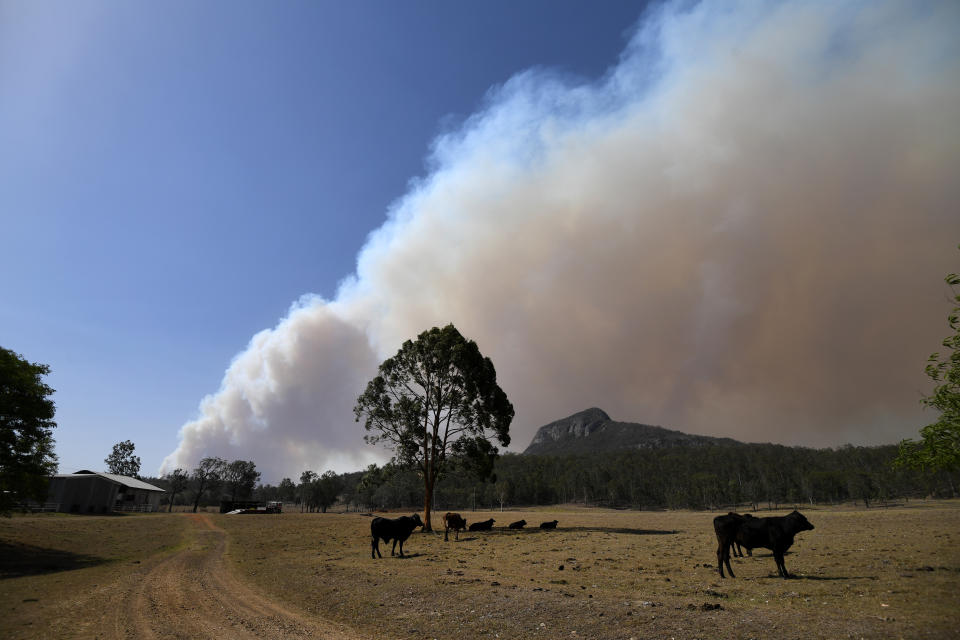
754, 476
213, 480
758, 475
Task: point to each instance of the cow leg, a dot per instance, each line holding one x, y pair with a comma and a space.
401, 548
726, 561
394, 547
446, 534
375, 547
720, 558
776, 562
781, 567
723, 556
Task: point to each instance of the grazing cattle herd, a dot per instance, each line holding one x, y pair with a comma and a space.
734, 531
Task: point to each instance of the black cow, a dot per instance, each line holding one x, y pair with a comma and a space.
737, 547
519, 524
486, 525
774, 533
726, 529
396, 529
455, 522
549, 525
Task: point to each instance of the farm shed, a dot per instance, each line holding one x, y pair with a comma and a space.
92, 492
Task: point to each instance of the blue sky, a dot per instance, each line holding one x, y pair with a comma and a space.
174, 175
728, 218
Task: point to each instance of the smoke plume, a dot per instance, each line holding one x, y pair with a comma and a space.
740, 230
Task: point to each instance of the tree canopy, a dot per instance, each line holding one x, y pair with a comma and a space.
121, 460
241, 477
437, 399
207, 477
26, 430
178, 480
939, 444
319, 491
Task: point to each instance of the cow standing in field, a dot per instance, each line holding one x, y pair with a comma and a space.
726, 529
396, 529
453, 521
774, 533
737, 547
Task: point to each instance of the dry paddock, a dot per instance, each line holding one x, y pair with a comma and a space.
617, 574
862, 573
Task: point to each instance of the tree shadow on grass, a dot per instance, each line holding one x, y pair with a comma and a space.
624, 530
794, 576
18, 559
621, 530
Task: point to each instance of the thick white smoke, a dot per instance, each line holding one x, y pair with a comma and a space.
740, 231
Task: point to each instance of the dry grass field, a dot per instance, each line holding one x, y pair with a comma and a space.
862, 573
57, 570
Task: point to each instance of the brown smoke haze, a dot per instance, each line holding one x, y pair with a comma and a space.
741, 230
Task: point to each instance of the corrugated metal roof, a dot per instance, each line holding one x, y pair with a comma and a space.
126, 481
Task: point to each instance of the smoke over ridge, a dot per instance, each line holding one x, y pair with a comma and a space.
741, 230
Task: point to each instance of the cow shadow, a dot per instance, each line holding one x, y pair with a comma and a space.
18, 560
408, 556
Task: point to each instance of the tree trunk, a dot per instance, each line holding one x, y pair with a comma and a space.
427, 502
196, 502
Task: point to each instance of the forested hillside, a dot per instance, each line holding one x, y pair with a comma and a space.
758, 475
590, 459
697, 477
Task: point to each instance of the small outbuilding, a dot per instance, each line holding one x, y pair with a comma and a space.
92, 492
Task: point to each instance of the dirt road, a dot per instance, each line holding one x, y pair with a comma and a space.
191, 593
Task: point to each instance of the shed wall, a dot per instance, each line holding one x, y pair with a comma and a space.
83, 494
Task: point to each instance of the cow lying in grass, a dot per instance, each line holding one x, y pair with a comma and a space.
519, 524
396, 529
549, 525
774, 533
453, 521
486, 525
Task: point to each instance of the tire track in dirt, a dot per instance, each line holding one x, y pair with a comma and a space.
193, 594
